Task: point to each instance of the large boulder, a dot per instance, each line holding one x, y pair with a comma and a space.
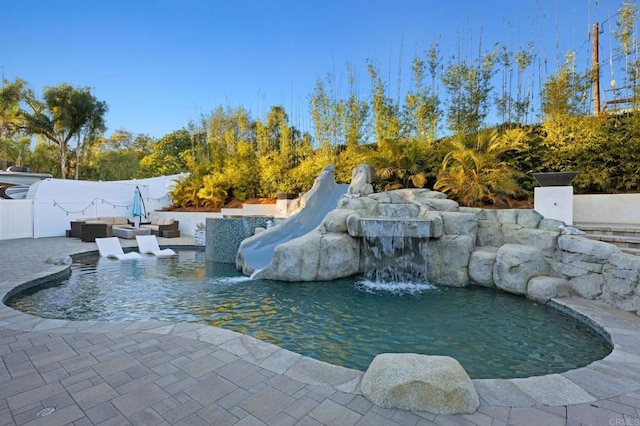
516, 265
448, 260
361, 179
510, 233
363, 205
295, 260
397, 210
314, 257
456, 223
586, 250
336, 220
550, 225
507, 216
545, 288
621, 276
588, 286
439, 204
436, 226
339, 257
489, 233
481, 266
437, 384
582, 262
547, 241
529, 218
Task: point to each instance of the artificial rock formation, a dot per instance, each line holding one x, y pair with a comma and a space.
515, 265
516, 250
361, 179
455, 235
544, 288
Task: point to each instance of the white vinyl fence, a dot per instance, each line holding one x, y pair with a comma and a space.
16, 219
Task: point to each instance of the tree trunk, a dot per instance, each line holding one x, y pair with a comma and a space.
63, 160
4, 148
78, 158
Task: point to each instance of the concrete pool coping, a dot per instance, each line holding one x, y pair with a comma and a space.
615, 375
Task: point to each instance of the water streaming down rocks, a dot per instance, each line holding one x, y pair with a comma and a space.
395, 249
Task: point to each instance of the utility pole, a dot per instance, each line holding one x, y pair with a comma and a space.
596, 72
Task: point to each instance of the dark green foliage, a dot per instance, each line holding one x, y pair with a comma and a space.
604, 150
167, 156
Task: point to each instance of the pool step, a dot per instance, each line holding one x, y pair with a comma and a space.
624, 235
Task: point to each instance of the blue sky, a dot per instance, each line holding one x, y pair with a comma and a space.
159, 64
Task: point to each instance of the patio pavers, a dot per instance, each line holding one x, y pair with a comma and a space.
169, 373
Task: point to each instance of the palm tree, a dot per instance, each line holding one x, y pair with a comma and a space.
10, 96
475, 173
399, 163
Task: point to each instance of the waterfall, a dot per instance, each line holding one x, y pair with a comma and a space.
395, 249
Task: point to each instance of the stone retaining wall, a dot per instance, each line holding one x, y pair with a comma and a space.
521, 252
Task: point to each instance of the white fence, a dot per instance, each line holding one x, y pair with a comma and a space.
51, 204
16, 219
38, 218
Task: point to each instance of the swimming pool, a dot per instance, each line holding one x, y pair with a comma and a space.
345, 322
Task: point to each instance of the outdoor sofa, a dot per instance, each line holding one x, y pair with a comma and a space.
90, 228
166, 227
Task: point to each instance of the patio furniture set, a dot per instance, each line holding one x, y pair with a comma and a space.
88, 229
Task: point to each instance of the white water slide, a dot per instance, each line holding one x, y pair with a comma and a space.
257, 251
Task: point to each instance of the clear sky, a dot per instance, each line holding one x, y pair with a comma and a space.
160, 63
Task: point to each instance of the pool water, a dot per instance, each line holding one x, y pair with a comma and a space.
344, 322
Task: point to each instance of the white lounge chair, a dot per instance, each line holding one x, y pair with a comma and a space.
148, 244
110, 247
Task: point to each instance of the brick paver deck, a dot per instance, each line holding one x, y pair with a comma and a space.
162, 373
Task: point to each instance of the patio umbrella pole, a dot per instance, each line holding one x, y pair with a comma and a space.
138, 207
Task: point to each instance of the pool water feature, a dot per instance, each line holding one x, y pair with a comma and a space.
344, 322
395, 249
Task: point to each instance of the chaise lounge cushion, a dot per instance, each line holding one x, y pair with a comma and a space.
114, 220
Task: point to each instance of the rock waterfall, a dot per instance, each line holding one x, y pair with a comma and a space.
395, 249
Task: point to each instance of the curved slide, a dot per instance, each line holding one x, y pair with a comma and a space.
257, 251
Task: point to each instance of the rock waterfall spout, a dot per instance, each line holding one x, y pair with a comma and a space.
395, 249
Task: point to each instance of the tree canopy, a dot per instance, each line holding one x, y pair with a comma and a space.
64, 112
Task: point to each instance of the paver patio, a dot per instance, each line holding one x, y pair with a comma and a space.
160, 373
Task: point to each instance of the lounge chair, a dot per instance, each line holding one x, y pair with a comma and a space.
110, 247
148, 244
